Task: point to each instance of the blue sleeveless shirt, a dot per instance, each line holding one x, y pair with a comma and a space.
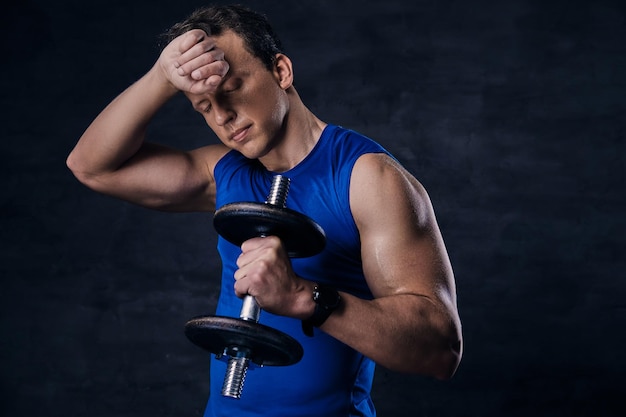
332, 379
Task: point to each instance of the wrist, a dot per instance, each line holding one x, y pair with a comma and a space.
161, 83
305, 306
326, 300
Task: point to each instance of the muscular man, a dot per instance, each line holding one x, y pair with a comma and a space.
385, 256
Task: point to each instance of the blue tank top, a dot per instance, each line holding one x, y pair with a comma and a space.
332, 379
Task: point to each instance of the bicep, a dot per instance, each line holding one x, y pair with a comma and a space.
402, 248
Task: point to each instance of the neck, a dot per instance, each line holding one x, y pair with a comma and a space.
299, 135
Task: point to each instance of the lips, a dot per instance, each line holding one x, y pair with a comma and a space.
239, 134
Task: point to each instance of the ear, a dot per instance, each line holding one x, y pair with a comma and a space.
283, 71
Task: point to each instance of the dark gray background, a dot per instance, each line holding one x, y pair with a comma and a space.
511, 113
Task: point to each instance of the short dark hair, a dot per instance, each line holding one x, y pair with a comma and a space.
253, 27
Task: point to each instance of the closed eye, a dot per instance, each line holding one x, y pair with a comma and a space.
203, 106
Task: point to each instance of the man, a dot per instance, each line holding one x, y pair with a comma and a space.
385, 260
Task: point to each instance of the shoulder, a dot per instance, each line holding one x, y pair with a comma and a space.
209, 156
380, 168
382, 190
346, 147
353, 140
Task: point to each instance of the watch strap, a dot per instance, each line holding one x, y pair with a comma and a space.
326, 299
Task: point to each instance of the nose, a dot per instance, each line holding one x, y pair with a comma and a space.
222, 113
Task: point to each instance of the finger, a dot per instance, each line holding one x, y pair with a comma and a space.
213, 72
250, 264
251, 244
260, 252
241, 288
241, 273
259, 242
191, 38
249, 252
206, 85
197, 57
186, 43
211, 63
249, 277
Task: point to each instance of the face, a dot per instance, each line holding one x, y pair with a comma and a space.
248, 109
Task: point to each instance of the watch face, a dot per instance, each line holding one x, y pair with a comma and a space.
327, 297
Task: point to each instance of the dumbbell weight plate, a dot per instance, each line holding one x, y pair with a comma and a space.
238, 222
268, 347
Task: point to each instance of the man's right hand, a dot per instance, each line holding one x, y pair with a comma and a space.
192, 63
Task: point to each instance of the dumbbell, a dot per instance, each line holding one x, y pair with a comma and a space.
243, 341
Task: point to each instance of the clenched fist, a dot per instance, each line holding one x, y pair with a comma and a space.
265, 273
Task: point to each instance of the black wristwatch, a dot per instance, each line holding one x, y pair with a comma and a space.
327, 300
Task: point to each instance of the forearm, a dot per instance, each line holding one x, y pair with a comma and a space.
118, 131
405, 333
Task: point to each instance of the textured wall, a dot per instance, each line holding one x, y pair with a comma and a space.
512, 114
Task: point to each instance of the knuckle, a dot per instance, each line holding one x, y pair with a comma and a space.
262, 267
245, 247
273, 241
223, 67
